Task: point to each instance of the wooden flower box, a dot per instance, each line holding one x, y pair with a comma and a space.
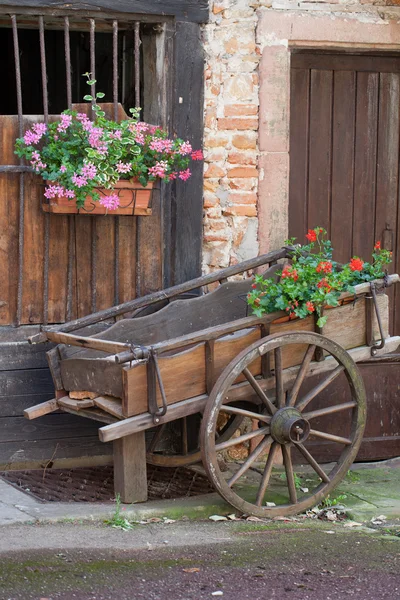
134, 198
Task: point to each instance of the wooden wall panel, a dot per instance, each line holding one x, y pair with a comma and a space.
299, 148
319, 167
365, 163
343, 131
364, 188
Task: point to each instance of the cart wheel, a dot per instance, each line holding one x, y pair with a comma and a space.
283, 420
184, 434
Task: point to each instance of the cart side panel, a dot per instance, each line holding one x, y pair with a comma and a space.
181, 317
184, 374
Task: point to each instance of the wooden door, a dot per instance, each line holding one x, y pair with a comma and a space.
344, 176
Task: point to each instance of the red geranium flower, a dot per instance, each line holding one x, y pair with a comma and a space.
377, 246
356, 264
254, 285
324, 284
324, 267
310, 306
311, 235
289, 271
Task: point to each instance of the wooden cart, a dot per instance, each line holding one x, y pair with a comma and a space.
254, 384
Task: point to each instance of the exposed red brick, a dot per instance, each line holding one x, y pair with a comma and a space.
241, 210
242, 158
240, 110
244, 141
214, 171
243, 198
243, 172
237, 123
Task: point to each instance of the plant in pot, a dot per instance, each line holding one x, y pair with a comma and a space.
99, 165
314, 280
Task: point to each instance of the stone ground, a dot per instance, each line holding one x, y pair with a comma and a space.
66, 551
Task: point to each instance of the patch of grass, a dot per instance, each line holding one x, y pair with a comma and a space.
118, 521
353, 476
297, 480
328, 502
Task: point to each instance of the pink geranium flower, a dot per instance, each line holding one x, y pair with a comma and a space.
111, 202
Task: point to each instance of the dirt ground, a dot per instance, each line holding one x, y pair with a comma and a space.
196, 561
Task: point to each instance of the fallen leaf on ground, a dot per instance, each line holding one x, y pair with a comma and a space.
352, 524
217, 518
191, 570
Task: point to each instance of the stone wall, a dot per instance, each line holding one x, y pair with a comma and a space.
247, 45
231, 138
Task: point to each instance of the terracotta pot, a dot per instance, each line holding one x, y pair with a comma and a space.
134, 199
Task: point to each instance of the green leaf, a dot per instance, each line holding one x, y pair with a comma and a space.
100, 95
91, 81
88, 97
322, 321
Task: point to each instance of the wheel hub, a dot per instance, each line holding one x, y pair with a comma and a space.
288, 425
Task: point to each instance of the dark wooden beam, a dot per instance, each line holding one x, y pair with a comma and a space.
196, 11
186, 232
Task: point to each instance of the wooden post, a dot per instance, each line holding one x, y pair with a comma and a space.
130, 480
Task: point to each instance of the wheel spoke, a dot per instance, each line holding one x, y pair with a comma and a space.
259, 391
313, 463
184, 436
242, 438
267, 473
262, 446
280, 395
245, 413
156, 438
300, 375
330, 437
287, 461
329, 410
319, 388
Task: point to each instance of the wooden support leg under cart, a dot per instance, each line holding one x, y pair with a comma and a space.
130, 480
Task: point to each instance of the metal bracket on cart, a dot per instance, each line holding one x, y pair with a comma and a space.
154, 377
371, 302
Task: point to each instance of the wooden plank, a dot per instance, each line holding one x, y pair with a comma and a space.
54, 453
130, 480
187, 216
344, 99
387, 176
184, 10
58, 268
96, 414
319, 172
51, 426
345, 62
127, 258
22, 355
9, 214
14, 406
83, 249
77, 405
88, 342
34, 381
34, 250
41, 409
156, 93
299, 152
365, 163
110, 405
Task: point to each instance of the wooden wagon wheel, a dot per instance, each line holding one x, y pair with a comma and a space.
283, 420
188, 451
